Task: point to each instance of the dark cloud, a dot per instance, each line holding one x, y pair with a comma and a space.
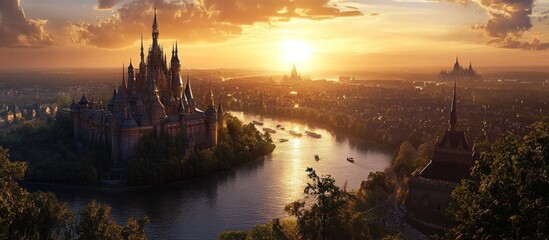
201, 20
509, 20
18, 31
106, 4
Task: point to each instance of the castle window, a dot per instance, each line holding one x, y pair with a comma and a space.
425, 201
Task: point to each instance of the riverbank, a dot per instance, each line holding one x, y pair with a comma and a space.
366, 140
102, 187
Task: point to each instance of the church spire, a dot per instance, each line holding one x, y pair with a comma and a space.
453, 111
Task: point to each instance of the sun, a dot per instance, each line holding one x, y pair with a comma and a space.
295, 51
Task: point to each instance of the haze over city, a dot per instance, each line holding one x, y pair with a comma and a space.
272, 35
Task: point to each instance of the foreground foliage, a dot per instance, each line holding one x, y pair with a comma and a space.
48, 148
39, 215
509, 197
326, 212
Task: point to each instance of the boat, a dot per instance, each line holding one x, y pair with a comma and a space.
283, 140
317, 157
313, 134
269, 130
296, 133
257, 123
350, 159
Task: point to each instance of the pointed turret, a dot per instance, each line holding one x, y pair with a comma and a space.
73, 104
131, 79
122, 90
123, 84
176, 53
457, 67
453, 111
189, 94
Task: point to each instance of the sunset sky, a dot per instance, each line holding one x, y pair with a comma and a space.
273, 34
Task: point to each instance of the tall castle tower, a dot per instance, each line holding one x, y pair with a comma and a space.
429, 192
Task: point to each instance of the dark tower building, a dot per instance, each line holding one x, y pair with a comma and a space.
151, 101
429, 192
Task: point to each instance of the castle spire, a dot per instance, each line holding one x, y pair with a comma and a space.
176, 58
155, 31
142, 53
155, 23
453, 111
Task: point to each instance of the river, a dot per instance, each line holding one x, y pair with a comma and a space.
239, 198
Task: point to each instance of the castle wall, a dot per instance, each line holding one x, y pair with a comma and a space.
428, 199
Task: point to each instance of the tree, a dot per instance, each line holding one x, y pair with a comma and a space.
509, 195
321, 219
40, 215
374, 190
96, 223
403, 164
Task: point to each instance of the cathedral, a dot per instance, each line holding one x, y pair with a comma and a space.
430, 191
459, 73
151, 100
294, 76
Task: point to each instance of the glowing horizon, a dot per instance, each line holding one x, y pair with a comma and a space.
318, 36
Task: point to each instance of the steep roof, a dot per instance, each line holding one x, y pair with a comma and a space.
445, 171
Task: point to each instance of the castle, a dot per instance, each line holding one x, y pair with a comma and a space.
430, 191
151, 101
459, 73
294, 76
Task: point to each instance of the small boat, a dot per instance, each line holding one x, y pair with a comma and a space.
313, 134
257, 123
283, 140
317, 157
269, 130
296, 133
350, 159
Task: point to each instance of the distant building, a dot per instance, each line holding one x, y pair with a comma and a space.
459, 73
294, 76
429, 192
151, 101
10, 113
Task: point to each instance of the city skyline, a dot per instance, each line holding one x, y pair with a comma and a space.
273, 35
